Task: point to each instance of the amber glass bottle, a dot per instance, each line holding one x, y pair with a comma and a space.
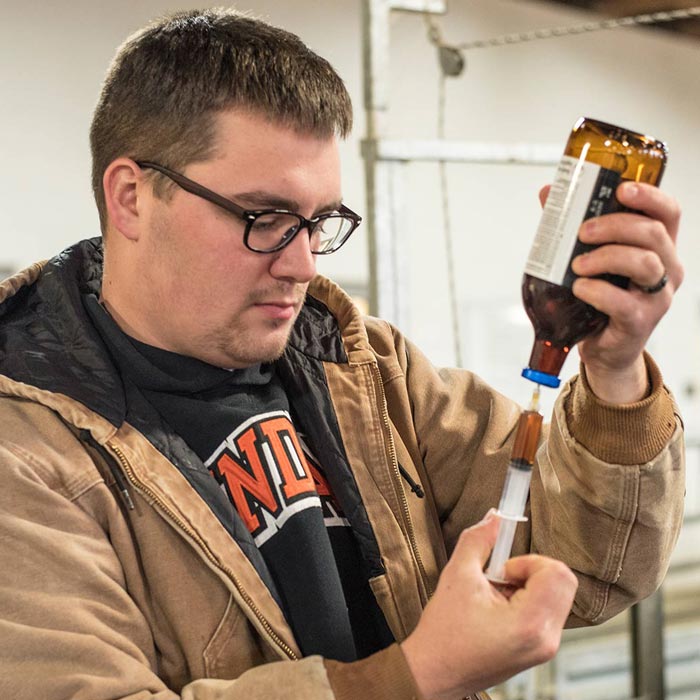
597, 158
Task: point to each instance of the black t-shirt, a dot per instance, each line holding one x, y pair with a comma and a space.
238, 422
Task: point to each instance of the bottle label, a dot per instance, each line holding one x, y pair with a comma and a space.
580, 191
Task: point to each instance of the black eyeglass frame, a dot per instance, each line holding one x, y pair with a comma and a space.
248, 216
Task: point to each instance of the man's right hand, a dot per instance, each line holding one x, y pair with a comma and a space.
472, 636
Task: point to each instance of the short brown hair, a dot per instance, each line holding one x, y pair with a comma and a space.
168, 81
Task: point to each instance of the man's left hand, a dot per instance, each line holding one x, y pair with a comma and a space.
641, 246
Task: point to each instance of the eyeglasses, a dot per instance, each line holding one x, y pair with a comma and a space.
270, 230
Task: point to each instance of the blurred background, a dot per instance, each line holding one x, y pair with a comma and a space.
445, 262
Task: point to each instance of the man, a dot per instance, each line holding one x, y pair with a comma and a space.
219, 481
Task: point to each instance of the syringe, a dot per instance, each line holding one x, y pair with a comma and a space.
516, 487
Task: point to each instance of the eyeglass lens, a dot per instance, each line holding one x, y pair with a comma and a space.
268, 232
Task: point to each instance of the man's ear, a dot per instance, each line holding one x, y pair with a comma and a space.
123, 181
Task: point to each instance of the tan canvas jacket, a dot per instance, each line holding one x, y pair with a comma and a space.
118, 582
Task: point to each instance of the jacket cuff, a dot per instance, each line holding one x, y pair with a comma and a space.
381, 676
632, 433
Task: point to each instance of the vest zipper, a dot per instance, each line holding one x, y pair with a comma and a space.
396, 472
128, 471
119, 479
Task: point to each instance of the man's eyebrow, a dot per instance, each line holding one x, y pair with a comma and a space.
259, 199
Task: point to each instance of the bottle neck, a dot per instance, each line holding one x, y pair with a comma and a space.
547, 358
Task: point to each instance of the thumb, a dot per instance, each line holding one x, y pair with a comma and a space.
544, 193
476, 542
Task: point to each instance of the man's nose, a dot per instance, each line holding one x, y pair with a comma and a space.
296, 261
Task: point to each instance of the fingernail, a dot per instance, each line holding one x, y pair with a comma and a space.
490, 515
588, 228
630, 190
578, 263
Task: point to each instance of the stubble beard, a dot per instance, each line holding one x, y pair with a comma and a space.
246, 350
244, 347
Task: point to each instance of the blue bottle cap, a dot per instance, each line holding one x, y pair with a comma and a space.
541, 377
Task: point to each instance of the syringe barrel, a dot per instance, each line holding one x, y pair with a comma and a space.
515, 489
527, 437
501, 551
510, 511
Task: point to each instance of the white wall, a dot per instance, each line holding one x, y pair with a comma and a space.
645, 80
53, 57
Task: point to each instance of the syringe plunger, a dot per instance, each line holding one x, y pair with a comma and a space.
510, 510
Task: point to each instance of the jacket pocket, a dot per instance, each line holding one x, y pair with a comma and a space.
234, 646
387, 603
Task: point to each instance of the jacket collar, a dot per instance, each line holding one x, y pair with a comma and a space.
48, 341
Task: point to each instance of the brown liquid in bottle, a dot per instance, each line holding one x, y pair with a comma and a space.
580, 192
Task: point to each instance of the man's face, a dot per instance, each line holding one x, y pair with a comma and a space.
204, 293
